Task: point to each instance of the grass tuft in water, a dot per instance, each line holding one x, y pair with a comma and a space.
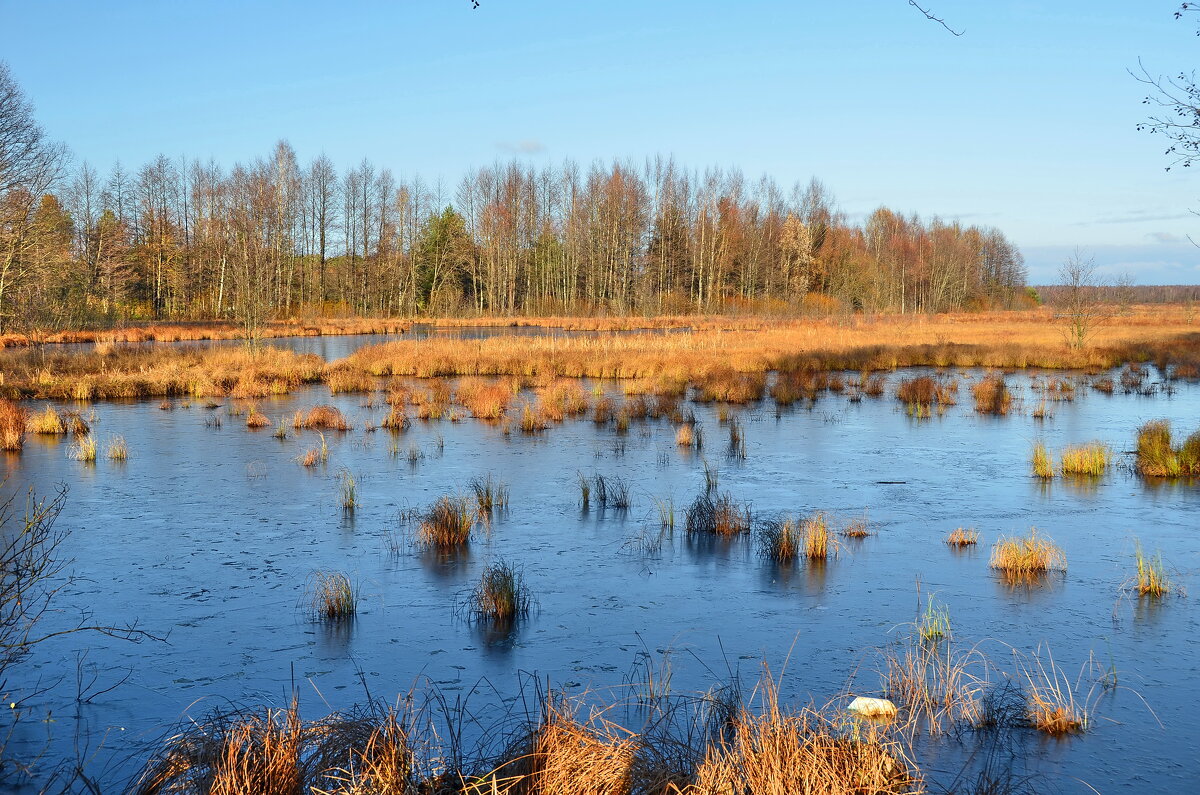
1043, 464
1090, 459
347, 490
116, 449
1151, 573
1031, 555
448, 523
333, 596
963, 537
501, 594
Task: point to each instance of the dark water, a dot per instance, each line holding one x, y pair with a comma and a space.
209, 537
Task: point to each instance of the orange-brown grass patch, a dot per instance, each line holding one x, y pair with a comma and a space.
776, 751
963, 537
865, 343
448, 523
857, 527
129, 373
1151, 574
256, 419
685, 436
48, 422
1027, 556
324, 417
922, 395
397, 418
13, 418
332, 596
603, 411
992, 396
729, 386
563, 398
531, 420
790, 387
487, 400
344, 379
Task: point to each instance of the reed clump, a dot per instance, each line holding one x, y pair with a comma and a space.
117, 449
992, 396
448, 523
397, 419
1043, 463
84, 449
324, 417
347, 490
501, 595
685, 436
1026, 556
490, 494
347, 380
256, 419
1051, 704
486, 400
780, 540
722, 516
47, 422
1158, 458
1090, 459
963, 537
818, 542
922, 395
13, 419
1151, 574
333, 596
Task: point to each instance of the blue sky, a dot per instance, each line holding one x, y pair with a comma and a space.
1026, 122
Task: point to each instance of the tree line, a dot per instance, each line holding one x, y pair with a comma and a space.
184, 239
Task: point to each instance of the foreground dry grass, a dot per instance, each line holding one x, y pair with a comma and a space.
572, 748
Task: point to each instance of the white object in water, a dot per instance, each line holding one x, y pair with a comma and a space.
873, 707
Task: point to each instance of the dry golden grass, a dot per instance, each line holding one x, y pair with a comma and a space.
256, 419
778, 751
818, 542
132, 373
1090, 459
685, 436
326, 417
1051, 703
13, 418
1151, 574
1024, 556
992, 396
1157, 457
708, 355
963, 537
448, 523
485, 399
1043, 464
47, 421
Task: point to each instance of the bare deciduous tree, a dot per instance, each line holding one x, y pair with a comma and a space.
1079, 302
